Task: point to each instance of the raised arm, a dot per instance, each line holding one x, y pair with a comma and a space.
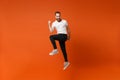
50, 28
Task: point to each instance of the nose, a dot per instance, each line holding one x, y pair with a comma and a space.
57, 17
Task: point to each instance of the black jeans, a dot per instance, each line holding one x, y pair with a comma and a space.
62, 39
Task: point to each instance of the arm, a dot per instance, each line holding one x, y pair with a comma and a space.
68, 31
50, 28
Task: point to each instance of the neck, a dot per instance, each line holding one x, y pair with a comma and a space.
59, 20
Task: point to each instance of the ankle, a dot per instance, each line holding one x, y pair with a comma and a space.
66, 61
55, 49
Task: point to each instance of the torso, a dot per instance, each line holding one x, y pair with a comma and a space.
60, 26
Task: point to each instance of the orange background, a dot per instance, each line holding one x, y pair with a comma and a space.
93, 50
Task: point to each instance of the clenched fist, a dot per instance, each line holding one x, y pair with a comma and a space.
49, 22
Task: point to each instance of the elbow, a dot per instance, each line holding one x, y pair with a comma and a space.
51, 31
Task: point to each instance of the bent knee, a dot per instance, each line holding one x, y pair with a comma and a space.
51, 36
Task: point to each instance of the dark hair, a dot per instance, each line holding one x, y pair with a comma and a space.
57, 12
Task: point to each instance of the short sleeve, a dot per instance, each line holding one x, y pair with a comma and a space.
53, 25
66, 23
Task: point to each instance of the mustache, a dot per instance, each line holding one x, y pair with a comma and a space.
59, 20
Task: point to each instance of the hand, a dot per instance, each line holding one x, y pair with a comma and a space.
68, 37
49, 22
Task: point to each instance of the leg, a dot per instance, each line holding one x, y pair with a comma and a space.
63, 48
66, 63
52, 39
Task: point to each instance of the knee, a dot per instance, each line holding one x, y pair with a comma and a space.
51, 36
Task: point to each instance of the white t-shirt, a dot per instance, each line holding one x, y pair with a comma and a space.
60, 26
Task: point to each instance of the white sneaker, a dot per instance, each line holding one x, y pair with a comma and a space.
66, 64
55, 51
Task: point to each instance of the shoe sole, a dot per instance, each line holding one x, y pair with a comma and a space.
66, 66
53, 54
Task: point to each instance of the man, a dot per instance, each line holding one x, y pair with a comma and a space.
63, 34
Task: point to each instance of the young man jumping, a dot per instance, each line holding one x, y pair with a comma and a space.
63, 34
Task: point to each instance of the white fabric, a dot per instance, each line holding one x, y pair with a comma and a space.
60, 26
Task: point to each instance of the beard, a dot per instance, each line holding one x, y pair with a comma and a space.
58, 20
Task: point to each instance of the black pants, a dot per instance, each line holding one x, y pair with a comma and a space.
61, 38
